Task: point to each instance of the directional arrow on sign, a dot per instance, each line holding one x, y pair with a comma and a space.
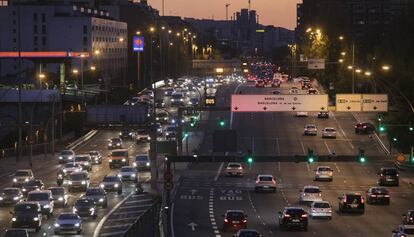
236, 108
265, 108
193, 191
322, 108
348, 107
293, 108
375, 108
193, 226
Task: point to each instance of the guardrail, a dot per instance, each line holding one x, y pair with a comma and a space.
81, 140
147, 224
404, 165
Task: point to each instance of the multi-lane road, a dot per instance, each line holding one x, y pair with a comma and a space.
205, 193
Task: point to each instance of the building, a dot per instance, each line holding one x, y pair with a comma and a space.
63, 27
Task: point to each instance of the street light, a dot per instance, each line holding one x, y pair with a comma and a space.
343, 53
75, 71
121, 39
341, 60
386, 67
368, 73
93, 68
152, 29
138, 32
341, 38
358, 70
97, 52
308, 30
350, 67
42, 76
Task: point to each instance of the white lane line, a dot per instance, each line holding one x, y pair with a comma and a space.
277, 145
172, 220
102, 221
342, 130
337, 167
327, 147
133, 206
117, 226
137, 201
219, 171
119, 213
303, 147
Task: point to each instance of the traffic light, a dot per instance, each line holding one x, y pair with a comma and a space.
192, 121
381, 128
185, 134
361, 156
221, 122
311, 157
410, 127
249, 157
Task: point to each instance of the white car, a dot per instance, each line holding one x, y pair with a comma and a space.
404, 231
310, 129
301, 114
128, 173
21, 177
142, 136
71, 167
329, 132
321, 209
323, 173
265, 182
234, 169
310, 194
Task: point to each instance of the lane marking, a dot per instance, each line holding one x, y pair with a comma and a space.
219, 171
172, 220
337, 167
342, 130
231, 114
303, 147
277, 145
327, 147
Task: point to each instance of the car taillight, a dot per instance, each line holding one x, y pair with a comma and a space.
411, 218
244, 221
364, 126
257, 181
320, 194
228, 168
225, 220
398, 175
304, 215
286, 216
362, 200
240, 168
373, 195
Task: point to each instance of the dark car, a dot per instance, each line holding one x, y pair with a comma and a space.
364, 128
408, 218
27, 215
323, 115
96, 157
115, 143
98, 195
247, 233
85, 207
126, 134
388, 176
16, 233
378, 195
32, 185
352, 202
10, 196
60, 197
112, 183
293, 217
234, 219
159, 103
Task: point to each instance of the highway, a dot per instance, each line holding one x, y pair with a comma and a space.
205, 193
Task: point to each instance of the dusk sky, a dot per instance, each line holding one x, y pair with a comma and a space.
271, 12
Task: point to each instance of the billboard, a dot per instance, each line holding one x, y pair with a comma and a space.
316, 64
138, 43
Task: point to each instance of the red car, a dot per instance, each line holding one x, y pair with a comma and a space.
234, 220
259, 83
364, 128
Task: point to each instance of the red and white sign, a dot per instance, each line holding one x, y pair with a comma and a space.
279, 103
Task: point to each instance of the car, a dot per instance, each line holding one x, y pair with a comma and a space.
168, 92
115, 143
71, 87
59, 195
323, 173
66, 156
142, 135
321, 209
96, 157
128, 173
388, 176
68, 222
310, 129
27, 215
85, 207
310, 194
293, 217
10, 196
294, 91
134, 100
34, 184
118, 158
142, 162
329, 132
378, 195
404, 231
259, 83
312, 91
170, 132
149, 93
98, 195
247, 233
160, 130
22, 176
265, 182
16, 233
159, 103
364, 128
323, 115
112, 183
126, 134
162, 117
234, 219
276, 92
301, 114
78, 181
71, 167
408, 218
175, 120
351, 202
84, 160
177, 99
44, 198
234, 169
193, 101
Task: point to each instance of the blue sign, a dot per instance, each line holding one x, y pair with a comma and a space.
138, 44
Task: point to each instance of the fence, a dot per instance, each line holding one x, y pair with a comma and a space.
147, 224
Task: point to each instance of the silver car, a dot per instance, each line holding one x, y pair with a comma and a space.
71, 167
78, 180
85, 161
265, 182
234, 169
128, 173
21, 177
321, 209
310, 129
68, 222
310, 194
10, 196
323, 173
329, 132
66, 156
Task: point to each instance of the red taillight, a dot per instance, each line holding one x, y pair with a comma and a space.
362, 200
225, 220
240, 168
286, 216
304, 215
244, 221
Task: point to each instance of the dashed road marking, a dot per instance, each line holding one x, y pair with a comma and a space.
211, 213
219, 171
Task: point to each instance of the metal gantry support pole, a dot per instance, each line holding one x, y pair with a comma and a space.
353, 67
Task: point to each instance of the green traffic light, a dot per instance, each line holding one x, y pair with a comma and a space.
222, 123
382, 128
311, 159
185, 135
411, 129
362, 159
249, 160
192, 124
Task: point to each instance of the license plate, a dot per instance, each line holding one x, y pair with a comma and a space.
266, 186
389, 180
380, 196
295, 220
354, 205
234, 172
235, 222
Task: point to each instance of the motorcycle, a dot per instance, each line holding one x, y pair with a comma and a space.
59, 180
138, 188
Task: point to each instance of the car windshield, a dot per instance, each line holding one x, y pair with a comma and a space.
66, 153
409, 231
266, 178
234, 165
119, 153
93, 153
128, 169
353, 198
141, 158
248, 234
379, 190
115, 140
68, 216
22, 173
94, 192
389, 172
324, 169
33, 183
312, 190
177, 96
37, 197
142, 132
235, 215
162, 115
78, 176
16, 233
321, 205
311, 126
329, 129
111, 179
71, 165
294, 211
81, 158
84, 202
26, 208
10, 192
57, 191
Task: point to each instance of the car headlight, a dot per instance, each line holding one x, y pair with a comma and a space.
119, 175
157, 118
74, 209
83, 182
60, 199
147, 164
173, 121
23, 189
118, 144
101, 199
70, 157
149, 138
14, 219
134, 164
15, 198
15, 180
60, 176
110, 160
64, 171
77, 224
1, 198
57, 225
46, 206
116, 185
96, 158
35, 218
60, 157
133, 175
172, 100
189, 102
110, 144
87, 163
181, 99
123, 160
102, 186
92, 209
70, 182
167, 133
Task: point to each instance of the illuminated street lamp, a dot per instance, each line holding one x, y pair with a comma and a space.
350, 67
152, 29
97, 52
358, 70
341, 60
75, 71
343, 53
386, 67
178, 34
308, 30
341, 37
368, 73
169, 31
41, 76
138, 32
121, 39
93, 68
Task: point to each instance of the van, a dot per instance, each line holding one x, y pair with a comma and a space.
45, 199
118, 158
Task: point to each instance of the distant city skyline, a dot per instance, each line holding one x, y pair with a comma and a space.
271, 12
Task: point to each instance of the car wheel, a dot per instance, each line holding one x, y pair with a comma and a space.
78, 232
37, 228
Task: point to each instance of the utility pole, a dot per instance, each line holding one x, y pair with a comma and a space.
249, 5
353, 67
227, 11
20, 120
